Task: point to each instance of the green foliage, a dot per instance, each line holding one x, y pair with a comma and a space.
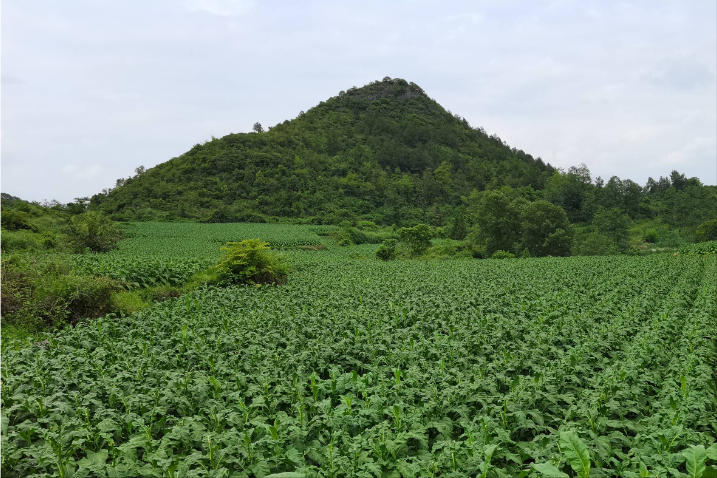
46, 291
385, 152
650, 235
497, 219
707, 231
417, 238
576, 453
387, 250
25, 240
502, 255
356, 368
699, 249
93, 231
14, 220
448, 249
249, 262
593, 244
613, 223
546, 230
458, 230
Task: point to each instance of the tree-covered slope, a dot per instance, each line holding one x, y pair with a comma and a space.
385, 152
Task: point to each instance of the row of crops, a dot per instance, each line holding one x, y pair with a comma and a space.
601, 366
170, 253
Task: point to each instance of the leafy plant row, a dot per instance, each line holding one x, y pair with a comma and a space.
599, 366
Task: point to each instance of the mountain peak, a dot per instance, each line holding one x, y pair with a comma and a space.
387, 88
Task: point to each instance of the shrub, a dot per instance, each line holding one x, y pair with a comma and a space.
93, 231
13, 220
448, 249
650, 235
46, 291
502, 255
249, 262
418, 238
387, 250
24, 240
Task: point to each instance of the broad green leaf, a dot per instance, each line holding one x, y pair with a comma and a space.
95, 459
710, 472
546, 469
489, 450
712, 452
695, 458
286, 474
576, 452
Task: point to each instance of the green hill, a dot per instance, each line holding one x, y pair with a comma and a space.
384, 152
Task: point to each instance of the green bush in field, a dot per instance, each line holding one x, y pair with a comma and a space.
47, 291
418, 238
93, 231
502, 255
249, 262
387, 250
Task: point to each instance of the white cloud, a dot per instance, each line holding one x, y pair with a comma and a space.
224, 8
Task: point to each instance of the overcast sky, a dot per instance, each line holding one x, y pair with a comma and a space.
92, 89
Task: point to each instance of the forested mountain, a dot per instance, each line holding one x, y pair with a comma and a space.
385, 152
388, 153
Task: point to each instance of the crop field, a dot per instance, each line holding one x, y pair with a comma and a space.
169, 253
558, 367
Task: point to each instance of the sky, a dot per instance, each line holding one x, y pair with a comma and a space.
92, 89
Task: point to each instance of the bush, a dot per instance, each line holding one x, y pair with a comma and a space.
38, 292
249, 262
418, 238
387, 250
650, 235
24, 240
707, 231
13, 220
593, 244
502, 255
448, 249
93, 231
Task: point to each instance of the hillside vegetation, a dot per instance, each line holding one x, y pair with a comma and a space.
385, 152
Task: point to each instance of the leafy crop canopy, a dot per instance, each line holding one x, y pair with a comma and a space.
594, 366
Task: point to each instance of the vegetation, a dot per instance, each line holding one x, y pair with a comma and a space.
47, 291
707, 231
249, 262
594, 366
94, 232
361, 365
387, 250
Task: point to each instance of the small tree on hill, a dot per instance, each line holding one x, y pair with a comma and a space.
258, 128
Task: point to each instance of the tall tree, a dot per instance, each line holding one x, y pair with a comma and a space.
546, 230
